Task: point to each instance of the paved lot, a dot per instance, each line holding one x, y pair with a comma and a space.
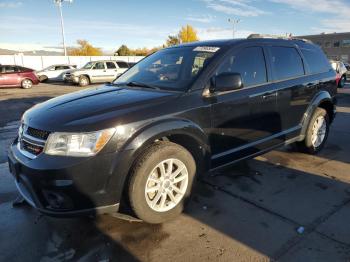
250, 212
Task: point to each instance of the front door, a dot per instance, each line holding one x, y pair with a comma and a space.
244, 121
99, 72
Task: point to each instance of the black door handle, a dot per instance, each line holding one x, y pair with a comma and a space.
269, 95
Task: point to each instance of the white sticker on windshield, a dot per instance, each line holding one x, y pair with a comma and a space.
211, 49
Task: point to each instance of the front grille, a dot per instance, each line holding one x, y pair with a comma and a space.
31, 141
31, 148
37, 133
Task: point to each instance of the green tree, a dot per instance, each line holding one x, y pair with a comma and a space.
123, 50
172, 40
84, 49
188, 34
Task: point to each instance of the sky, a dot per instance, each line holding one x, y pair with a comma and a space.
35, 24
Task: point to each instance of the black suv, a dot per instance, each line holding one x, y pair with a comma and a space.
178, 113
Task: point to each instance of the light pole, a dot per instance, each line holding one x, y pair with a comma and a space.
59, 4
233, 22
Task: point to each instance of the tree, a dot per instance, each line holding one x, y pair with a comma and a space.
188, 34
172, 40
85, 49
123, 50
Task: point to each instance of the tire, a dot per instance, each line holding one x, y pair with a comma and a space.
342, 81
26, 83
167, 201
84, 81
43, 78
309, 144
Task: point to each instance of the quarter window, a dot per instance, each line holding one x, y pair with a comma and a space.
123, 64
250, 63
110, 65
316, 60
286, 62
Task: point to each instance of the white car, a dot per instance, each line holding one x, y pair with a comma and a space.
341, 71
96, 72
54, 72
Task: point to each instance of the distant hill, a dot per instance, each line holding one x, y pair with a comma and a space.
36, 52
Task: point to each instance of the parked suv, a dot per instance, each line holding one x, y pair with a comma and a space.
96, 72
54, 72
180, 112
17, 76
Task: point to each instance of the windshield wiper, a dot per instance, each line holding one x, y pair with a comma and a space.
140, 84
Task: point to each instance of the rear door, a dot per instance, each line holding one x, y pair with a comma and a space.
59, 72
10, 76
244, 121
112, 71
295, 89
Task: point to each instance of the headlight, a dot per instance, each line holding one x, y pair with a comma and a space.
78, 144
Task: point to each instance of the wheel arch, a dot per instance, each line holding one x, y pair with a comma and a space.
323, 100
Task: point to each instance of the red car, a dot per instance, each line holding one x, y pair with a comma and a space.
12, 76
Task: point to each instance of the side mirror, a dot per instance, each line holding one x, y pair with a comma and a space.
226, 82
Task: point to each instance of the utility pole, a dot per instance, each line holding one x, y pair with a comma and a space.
59, 4
233, 22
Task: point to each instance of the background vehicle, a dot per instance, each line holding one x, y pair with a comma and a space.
177, 114
341, 71
17, 76
54, 72
96, 72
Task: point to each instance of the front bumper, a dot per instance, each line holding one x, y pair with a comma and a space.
71, 78
68, 186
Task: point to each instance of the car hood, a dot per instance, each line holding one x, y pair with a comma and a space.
95, 109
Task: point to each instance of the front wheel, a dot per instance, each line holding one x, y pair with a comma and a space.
84, 81
26, 84
161, 181
316, 133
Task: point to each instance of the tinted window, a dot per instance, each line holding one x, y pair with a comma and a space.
123, 64
61, 67
110, 65
286, 62
250, 63
10, 69
99, 65
316, 60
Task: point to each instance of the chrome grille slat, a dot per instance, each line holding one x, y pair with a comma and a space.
31, 141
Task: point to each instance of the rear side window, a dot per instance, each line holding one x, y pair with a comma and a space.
316, 61
110, 65
286, 62
123, 64
61, 67
10, 69
250, 63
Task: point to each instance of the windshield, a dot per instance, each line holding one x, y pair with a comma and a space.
88, 65
171, 69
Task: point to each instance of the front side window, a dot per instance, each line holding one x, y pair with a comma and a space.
249, 62
172, 68
286, 62
99, 65
110, 65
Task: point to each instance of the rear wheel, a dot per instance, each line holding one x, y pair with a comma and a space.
26, 83
317, 132
161, 181
84, 81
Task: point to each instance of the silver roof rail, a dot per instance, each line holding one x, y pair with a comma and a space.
267, 36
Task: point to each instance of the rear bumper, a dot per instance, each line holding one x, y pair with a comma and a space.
67, 186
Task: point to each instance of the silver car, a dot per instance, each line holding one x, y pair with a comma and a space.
96, 72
